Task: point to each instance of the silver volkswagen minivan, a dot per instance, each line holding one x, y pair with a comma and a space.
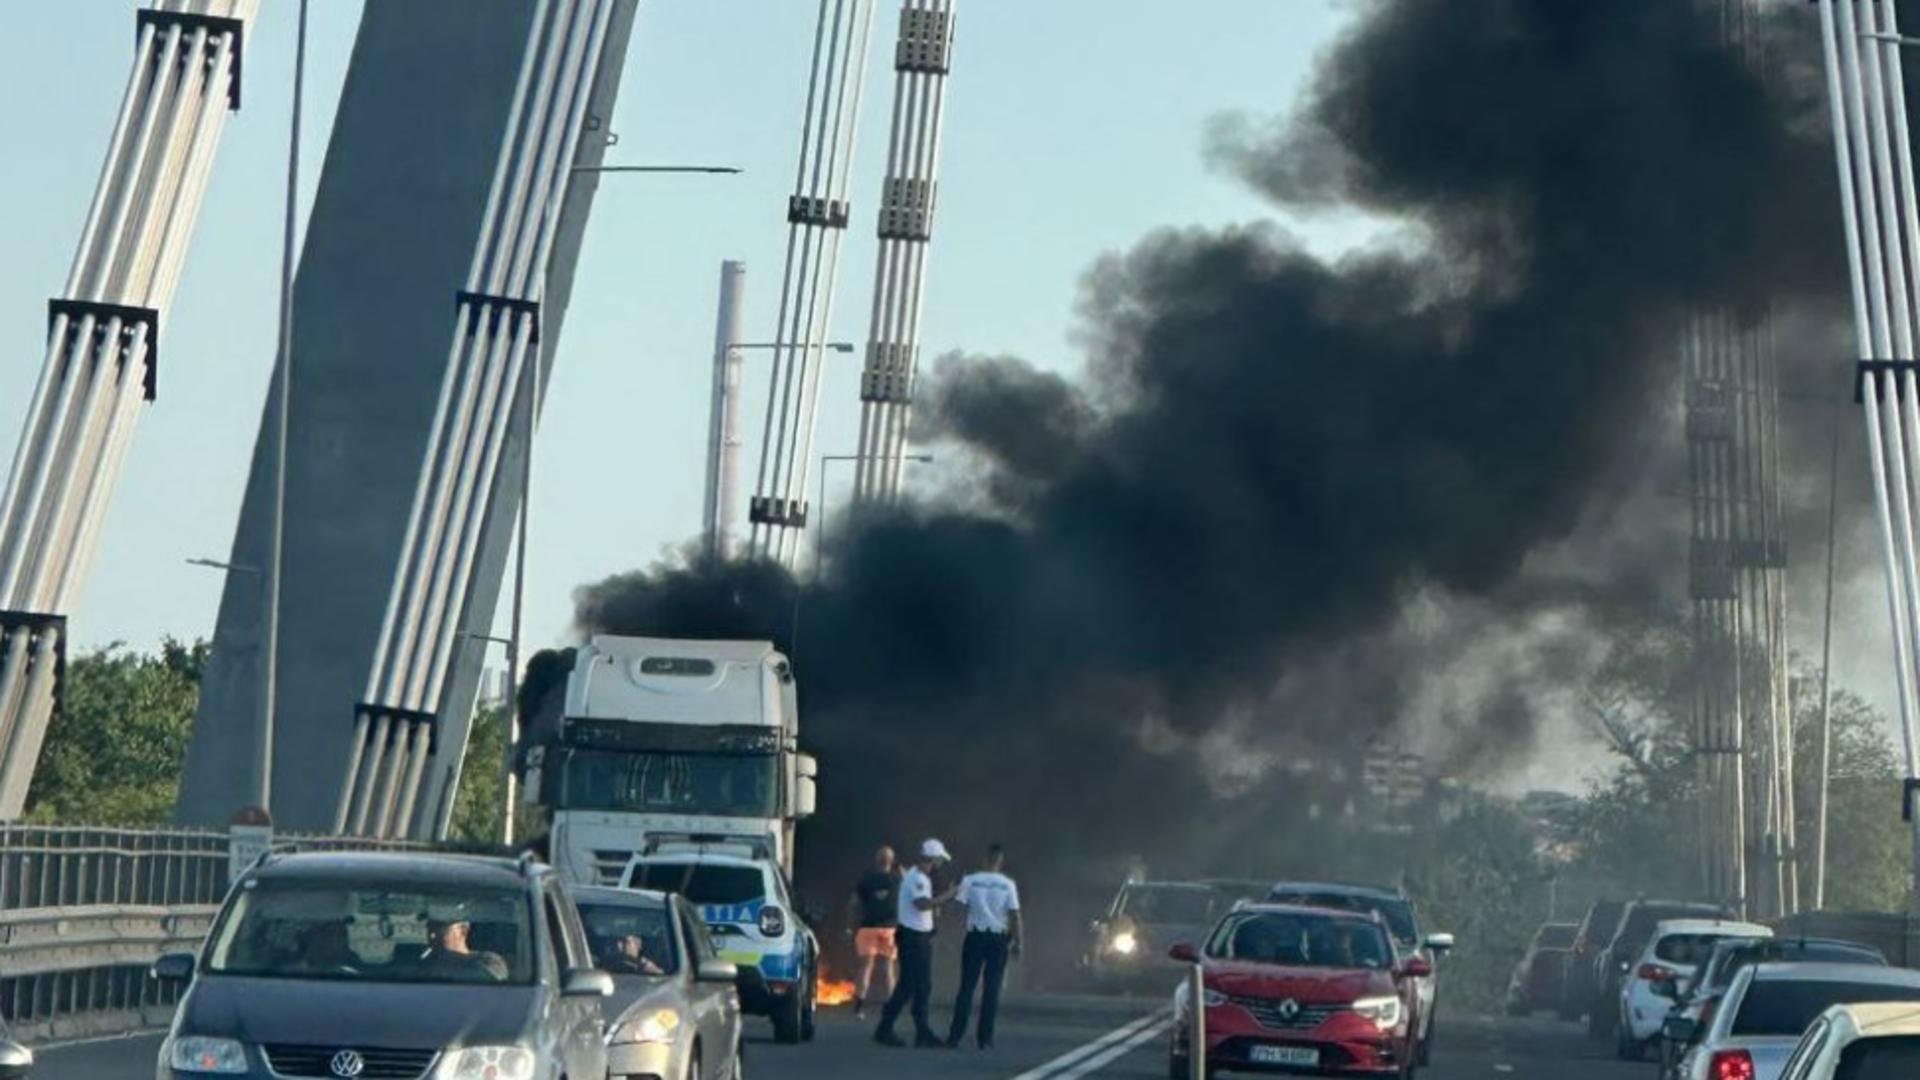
390, 967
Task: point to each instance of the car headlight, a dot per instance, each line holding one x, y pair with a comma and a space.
1124, 943
486, 1063
1384, 1011
194, 1054
1213, 998
658, 1026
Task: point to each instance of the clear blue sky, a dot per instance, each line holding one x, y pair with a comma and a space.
1074, 127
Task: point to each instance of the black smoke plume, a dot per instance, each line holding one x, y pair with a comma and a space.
1290, 498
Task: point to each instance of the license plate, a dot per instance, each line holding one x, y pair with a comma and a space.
1284, 1055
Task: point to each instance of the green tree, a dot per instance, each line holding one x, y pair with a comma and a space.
1868, 846
1636, 831
113, 753
479, 808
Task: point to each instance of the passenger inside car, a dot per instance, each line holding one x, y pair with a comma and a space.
1362, 948
325, 949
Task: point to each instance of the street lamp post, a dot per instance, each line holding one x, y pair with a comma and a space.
820, 527
716, 170
216, 564
282, 408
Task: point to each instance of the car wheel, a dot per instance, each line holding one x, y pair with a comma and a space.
1597, 1022
809, 1012
739, 1070
1625, 1047
693, 1065
786, 1021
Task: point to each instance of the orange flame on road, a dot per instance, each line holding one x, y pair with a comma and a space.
830, 991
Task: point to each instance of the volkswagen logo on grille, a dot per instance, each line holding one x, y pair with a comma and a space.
347, 1064
1289, 1010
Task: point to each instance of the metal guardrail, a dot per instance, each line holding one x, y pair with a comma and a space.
70, 972
51, 940
84, 912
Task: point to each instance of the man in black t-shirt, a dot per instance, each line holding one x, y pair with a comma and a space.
875, 912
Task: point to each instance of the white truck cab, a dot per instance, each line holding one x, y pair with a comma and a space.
667, 737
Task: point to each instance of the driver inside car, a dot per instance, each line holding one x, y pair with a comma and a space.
449, 955
629, 956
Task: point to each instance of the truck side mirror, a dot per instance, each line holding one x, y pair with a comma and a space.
805, 797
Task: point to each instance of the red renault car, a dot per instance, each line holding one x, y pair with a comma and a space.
1301, 990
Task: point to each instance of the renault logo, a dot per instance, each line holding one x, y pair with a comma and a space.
1289, 1009
347, 1064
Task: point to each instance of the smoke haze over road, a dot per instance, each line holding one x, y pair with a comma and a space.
1293, 502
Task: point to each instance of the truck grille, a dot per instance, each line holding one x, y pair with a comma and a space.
1268, 1014
379, 1064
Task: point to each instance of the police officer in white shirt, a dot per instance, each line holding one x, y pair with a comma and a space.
914, 939
992, 901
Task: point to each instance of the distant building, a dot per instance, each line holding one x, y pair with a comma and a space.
1394, 779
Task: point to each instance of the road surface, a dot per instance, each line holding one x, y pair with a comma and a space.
1041, 1038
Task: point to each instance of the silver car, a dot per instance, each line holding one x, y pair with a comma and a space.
1760, 1019
675, 1012
370, 965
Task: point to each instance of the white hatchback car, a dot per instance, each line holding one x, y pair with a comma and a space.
1760, 1020
1660, 974
1879, 1041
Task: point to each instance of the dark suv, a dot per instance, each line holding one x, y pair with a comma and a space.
1596, 930
1130, 940
390, 967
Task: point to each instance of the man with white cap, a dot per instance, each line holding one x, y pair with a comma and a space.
914, 939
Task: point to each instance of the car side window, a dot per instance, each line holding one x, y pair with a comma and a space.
1730, 1002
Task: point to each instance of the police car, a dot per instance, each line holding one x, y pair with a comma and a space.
749, 910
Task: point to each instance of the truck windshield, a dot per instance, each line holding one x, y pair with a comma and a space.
723, 785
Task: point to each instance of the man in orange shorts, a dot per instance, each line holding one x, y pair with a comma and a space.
875, 911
